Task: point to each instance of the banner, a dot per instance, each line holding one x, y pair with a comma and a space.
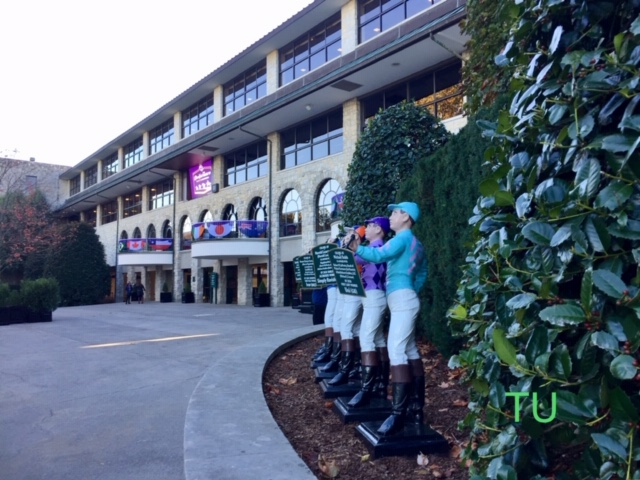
198, 231
219, 228
160, 244
337, 204
136, 244
253, 228
201, 178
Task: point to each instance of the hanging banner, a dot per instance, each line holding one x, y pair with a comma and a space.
253, 228
219, 228
201, 178
160, 244
136, 244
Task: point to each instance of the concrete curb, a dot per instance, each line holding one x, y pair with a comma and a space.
229, 431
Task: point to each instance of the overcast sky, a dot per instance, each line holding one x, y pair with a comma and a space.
76, 74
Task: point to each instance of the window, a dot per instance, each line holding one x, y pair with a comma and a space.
324, 213
197, 116
229, 213
31, 183
161, 194
161, 137
132, 204
151, 231
109, 212
187, 235
245, 88
311, 50
291, 215
90, 217
376, 16
439, 91
167, 229
91, 176
74, 185
110, 165
133, 153
137, 233
124, 235
316, 139
206, 216
258, 210
246, 164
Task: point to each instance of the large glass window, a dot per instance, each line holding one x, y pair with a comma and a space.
91, 176
110, 165
167, 229
161, 194
245, 88
440, 91
133, 153
151, 231
312, 140
376, 16
197, 116
324, 212
132, 204
74, 185
311, 50
187, 235
258, 210
246, 164
109, 212
230, 213
161, 137
91, 217
291, 214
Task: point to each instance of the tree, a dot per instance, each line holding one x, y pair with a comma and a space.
79, 265
27, 232
385, 154
549, 301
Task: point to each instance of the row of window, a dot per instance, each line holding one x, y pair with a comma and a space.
318, 46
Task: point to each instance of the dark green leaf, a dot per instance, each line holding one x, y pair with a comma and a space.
489, 187
598, 238
605, 341
621, 406
608, 446
557, 113
613, 195
586, 289
622, 367
521, 301
560, 361
522, 204
609, 283
537, 344
582, 127
503, 347
538, 233
618, 143
562, 315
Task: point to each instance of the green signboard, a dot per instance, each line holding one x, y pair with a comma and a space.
297, 269
322, 263
307, 272
346, 272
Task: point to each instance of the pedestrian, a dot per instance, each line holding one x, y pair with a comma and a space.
406, 274
140, 291
128, 292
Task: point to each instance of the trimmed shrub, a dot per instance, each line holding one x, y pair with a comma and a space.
41, 295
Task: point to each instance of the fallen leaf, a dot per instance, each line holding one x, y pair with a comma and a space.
288, 381
328, 468
455, 451
460, 403
422, 460
328, 404
443, 410
365, 458
436, 473
445, 385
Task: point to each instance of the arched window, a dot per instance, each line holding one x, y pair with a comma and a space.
229, 213
258, 210
151, 231
325, 207
206, 216
136, 233
167, 229
291, 214
185, 243
124, 235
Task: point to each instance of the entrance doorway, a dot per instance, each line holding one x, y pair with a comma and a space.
232, 284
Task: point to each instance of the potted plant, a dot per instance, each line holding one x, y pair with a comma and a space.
262, 298
41, 297
165, 295
187, 295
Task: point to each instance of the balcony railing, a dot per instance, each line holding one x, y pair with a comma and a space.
229, 229
135, 245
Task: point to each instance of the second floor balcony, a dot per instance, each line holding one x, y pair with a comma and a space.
145, 251
230, 239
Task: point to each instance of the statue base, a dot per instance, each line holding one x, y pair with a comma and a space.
348, 389
376, 409
317, 364
320, 375
411, 440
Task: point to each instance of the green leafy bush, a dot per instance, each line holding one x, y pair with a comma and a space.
41, 295
549, 304
4, 295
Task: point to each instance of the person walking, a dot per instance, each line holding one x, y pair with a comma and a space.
128, 292
140, 291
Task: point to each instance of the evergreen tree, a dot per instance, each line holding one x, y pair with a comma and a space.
79, 266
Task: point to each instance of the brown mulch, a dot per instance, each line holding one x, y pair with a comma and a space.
332, 449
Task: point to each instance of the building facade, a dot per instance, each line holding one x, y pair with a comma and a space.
238, 174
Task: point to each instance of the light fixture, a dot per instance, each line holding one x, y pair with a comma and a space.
308, 106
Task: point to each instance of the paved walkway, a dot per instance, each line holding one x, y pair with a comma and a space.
153, 391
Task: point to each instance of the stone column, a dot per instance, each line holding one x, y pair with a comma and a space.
145, 145
273, 71
349, 26
197, 279
244, 282
177, 126
276, 270
218, 103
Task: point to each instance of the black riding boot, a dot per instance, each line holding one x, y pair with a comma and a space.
346, 363
369, 376
382, 382
415, 411
334, 361
401, 384
324, 353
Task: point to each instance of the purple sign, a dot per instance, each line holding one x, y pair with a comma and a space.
201, 178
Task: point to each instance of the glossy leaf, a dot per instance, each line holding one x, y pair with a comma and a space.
613, 195
609, 283
562, 315
622, 367
608, 446
505, 350
538, 233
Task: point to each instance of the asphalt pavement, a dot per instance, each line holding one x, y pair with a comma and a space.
148, 391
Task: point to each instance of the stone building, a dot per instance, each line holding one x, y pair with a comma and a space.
236, 175
28, 175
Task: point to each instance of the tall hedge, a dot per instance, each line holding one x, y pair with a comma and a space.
549, 303
79, 265
386, 152
446, 198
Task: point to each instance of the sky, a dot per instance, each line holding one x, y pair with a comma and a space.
76, 73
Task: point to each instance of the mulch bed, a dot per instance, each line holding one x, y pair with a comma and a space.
332, 449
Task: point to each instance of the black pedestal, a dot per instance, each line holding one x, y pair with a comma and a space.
318, 364
411, 440
320, 375
376, 409
334, 391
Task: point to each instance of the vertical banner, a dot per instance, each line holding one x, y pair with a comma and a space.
201, 178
